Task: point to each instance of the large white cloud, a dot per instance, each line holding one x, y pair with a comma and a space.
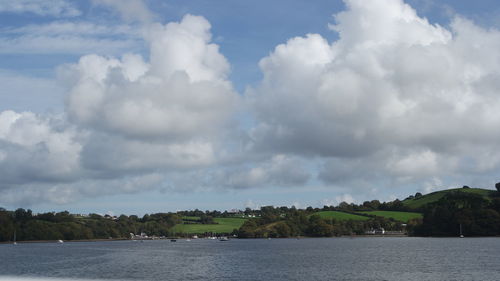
126, 119
181, 93
166, 113
410, 98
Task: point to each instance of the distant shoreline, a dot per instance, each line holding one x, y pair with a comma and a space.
300, 237
127, 239
57, 241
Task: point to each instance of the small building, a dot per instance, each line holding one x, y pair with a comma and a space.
379, 231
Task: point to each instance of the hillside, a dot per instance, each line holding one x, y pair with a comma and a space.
400, 216
340, 216
416, 203
224, 225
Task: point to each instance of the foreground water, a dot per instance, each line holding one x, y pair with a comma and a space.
258, 259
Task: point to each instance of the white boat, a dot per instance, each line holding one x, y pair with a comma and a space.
60, 241
223, 238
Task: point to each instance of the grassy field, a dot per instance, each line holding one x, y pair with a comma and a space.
435, 196
190, 218
400, 216
225, 225
340, 216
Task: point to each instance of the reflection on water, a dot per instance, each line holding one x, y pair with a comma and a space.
255, 259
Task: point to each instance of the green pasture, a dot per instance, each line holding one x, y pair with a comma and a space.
225, 225
400, 216
190, 218
340, 216
416, 203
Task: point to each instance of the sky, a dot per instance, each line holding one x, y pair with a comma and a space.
134, 107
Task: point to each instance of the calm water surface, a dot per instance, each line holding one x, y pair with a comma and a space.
258, 259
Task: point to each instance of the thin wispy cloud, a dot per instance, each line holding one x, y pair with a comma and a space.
65, 37
53, 8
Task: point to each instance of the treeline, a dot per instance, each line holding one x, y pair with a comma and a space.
200, 213
65, 226
291, 222
202, 219
472, 213
375, 205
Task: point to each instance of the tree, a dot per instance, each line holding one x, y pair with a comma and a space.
282, 229
497, 186
475, 214
247, 230
374, 204
7, 226
22, 215
318, 227
205, 219
344, 206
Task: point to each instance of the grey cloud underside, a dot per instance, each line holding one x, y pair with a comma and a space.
395, 100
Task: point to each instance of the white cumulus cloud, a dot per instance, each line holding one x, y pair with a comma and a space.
394, 97
181, 93
129, 122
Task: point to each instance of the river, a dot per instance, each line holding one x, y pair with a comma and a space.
404, 258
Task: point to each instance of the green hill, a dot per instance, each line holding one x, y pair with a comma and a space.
400, 216
340, 216
224, 225
416, 203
